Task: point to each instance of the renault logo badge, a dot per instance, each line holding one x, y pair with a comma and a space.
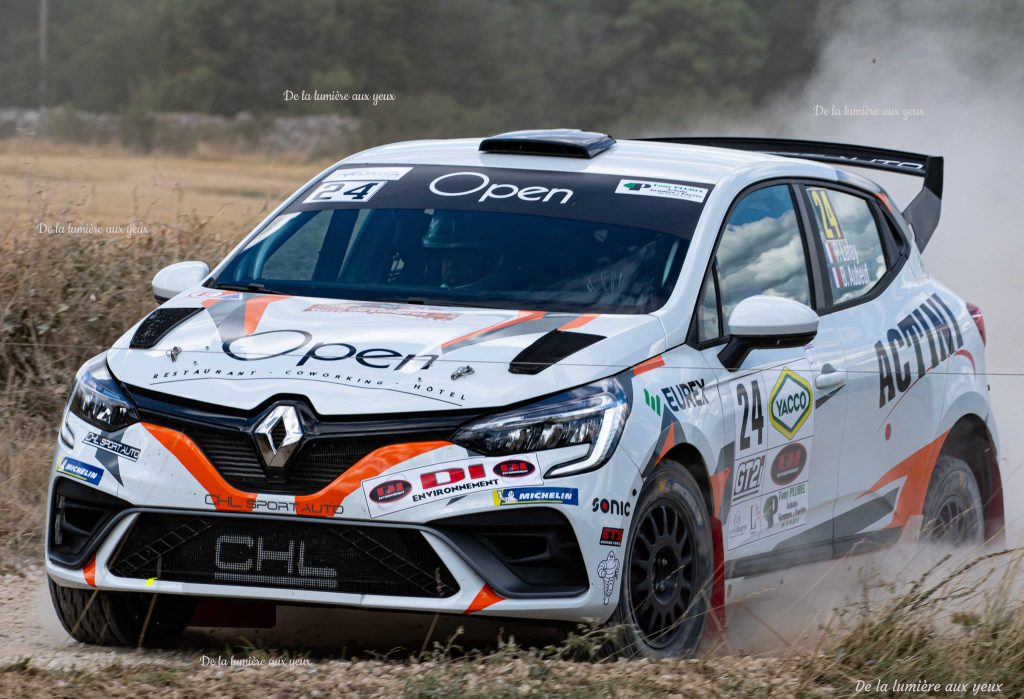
277, 436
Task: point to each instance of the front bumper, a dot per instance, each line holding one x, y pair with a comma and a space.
486, 546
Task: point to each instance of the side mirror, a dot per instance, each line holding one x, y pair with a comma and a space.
766, 322
174, 279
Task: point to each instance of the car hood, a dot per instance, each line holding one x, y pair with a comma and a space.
359, 358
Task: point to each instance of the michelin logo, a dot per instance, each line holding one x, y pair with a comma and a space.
530, 496
80, 471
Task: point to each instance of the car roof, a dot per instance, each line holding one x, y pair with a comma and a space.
672, 161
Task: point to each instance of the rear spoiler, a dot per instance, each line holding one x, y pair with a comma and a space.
922, 213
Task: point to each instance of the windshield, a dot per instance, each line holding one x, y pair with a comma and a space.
452, 256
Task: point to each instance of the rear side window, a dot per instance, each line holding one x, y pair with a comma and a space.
761, 252
851, 242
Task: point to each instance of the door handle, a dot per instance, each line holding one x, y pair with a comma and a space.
830, 377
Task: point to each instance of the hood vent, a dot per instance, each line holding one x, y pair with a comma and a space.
159, 323
550, 349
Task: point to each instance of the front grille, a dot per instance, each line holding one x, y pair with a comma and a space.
220, 550
319, 461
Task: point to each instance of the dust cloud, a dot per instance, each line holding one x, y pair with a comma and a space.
943, 79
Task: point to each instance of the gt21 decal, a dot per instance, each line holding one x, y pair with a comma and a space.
927, 336
746, 480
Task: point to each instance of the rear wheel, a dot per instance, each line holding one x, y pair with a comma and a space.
952, 512
666, 580
118, 618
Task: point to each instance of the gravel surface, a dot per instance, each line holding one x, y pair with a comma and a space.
38, 658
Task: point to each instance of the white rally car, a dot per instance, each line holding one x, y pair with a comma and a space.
546, 375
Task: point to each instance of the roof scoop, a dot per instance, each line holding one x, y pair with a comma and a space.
562, 143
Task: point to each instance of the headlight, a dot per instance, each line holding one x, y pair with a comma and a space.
592, 415
97, 399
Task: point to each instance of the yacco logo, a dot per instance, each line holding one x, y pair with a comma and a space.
274, 343
931, 325
461, 184
81, 471
653, 402
791, 402
532, 496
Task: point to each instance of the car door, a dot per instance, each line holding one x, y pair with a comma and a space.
783, 432
895, 332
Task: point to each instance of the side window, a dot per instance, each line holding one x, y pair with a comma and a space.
850, 239
761, 252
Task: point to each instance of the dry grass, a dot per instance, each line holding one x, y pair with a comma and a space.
67, 296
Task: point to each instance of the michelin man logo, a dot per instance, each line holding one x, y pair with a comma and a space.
608, 570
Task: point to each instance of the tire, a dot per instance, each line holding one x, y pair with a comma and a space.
952, 513
117, 618
666, 575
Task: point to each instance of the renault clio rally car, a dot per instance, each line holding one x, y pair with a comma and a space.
545, 375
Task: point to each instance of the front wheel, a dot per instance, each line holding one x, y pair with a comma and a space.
120, 618
666, 579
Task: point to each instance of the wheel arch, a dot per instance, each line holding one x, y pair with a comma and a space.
970, 440
692, 460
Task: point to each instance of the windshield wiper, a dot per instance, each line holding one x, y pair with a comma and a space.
253, 287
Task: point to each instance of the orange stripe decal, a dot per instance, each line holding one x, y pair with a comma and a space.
652, 363
670, 441
579, 321
89, 571
484, 599
917, 469
194, 460
209, 302
521, 317
254, 309
373, 464
718, 490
